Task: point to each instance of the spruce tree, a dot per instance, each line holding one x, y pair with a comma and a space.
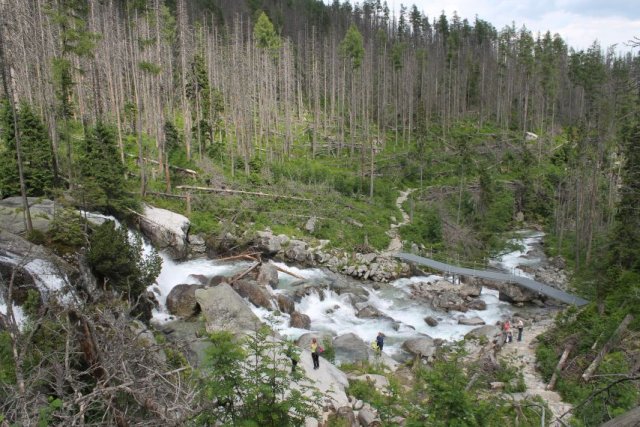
102, 173
36, 154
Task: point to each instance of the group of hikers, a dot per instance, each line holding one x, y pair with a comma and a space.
378, 343
316, 349
507, 335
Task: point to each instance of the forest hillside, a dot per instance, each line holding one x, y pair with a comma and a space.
258, 118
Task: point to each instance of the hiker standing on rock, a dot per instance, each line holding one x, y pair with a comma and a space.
315, 354
506, 330
380, 341
520, 326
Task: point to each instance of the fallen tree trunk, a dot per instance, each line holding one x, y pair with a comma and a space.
250, 193
559, 367
628, 419
187, 171
607, 347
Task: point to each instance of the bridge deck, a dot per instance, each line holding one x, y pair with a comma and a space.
524, 282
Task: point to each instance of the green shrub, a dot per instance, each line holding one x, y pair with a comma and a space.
119, 262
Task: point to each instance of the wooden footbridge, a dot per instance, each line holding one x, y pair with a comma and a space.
521, 281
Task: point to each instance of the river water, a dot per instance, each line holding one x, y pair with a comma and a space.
336, 314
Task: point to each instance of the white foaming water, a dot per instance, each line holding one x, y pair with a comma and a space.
404, 316
18, 314
187, 272
511, 261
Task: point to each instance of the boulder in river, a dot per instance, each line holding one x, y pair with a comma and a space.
166, 230
477, 304
181, 301
255, 293
285, 304
431, 321
224, 309
268, 275
299, 320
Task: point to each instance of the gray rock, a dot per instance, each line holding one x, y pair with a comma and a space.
285, 304
224, 309
304, 341
216, 280
368, 418
488, 331
12, 214
310, 226
166, 230
267, 243
350, 348
345, 413
181, 301
477, 304
358, 404
431, 321
268, 275
255, 293
300, 320
422, 347
297, 251
473, 321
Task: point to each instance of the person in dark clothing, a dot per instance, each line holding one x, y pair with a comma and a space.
520, 326
315, 354
380, 341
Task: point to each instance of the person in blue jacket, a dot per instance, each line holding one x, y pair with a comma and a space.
380, 341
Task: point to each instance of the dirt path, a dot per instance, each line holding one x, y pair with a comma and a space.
396, 244
522, 355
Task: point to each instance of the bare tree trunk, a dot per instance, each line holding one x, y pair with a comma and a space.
607, 347
10, 93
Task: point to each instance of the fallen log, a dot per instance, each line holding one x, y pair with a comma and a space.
628, 419
178, 168
559, 367
250, 193
244, 273
250, 255
289, 273
607, 347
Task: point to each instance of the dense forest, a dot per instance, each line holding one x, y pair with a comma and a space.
107, 104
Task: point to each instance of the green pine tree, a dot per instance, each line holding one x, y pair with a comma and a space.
265, 34
352, 46
102, 174
36, 154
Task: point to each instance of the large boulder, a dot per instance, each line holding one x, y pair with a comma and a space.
268, 275
267, 243
181, 301
304, 341
224, 309
488, 331
300, 320
477, 304
297, 251
285, 304
421, 347
473, 321
12, 214
166, 230
448, 301
350, 348
255, 293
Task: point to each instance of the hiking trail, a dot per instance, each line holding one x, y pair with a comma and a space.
522, 356
395, 244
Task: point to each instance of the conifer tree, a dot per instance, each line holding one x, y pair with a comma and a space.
36, 154
265, 34
102, 173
